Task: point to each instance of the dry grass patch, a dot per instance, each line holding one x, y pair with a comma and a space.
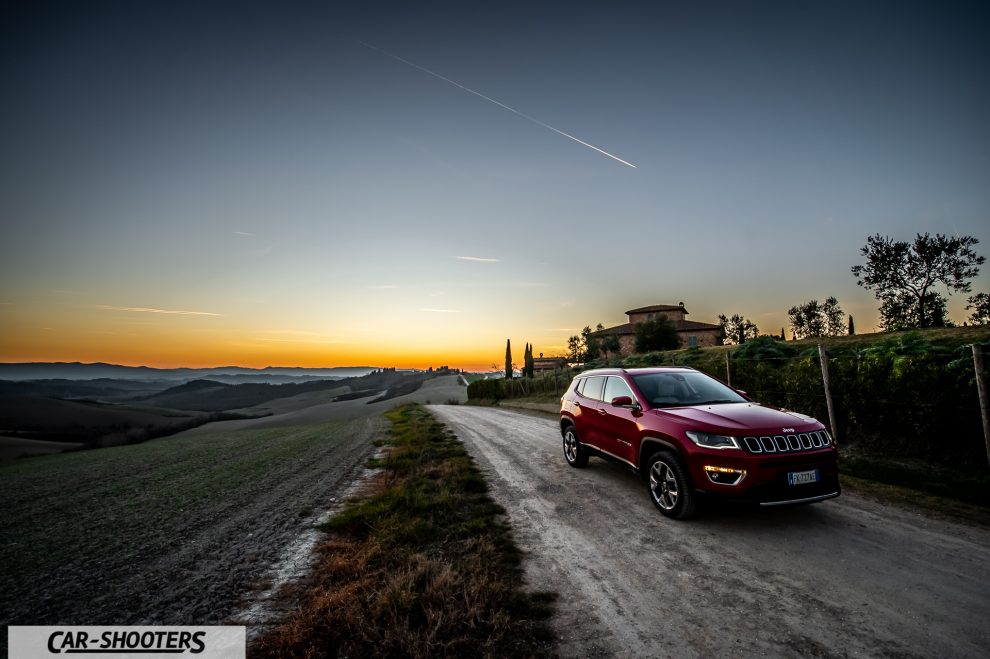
424, 566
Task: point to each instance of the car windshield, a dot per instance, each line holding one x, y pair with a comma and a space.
679, 389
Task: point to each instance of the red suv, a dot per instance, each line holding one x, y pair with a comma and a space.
688, 434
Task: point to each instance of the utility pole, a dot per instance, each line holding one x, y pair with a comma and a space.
828, 391
981, 390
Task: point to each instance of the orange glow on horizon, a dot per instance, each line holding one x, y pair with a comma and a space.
195, 352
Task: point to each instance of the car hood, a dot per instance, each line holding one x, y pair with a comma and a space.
733, 418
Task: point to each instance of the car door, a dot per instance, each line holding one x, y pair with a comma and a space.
619, 425
589, 403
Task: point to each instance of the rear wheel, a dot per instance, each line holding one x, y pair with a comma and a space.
574, 453
669, 486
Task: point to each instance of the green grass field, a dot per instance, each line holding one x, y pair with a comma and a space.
85, 535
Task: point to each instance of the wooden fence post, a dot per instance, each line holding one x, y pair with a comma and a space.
981, 390
828, 391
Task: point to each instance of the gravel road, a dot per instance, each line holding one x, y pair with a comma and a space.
847, 577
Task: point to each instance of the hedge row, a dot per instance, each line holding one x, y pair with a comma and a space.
500, 389
904, 396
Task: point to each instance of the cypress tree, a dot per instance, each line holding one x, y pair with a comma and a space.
508, 360
852, 326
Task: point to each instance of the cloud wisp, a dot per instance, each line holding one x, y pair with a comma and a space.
303, 336
501, 105
304, 340
476, 259
174, 312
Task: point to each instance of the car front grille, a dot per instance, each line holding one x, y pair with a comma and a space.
804, 441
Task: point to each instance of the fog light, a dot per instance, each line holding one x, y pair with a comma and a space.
725, 475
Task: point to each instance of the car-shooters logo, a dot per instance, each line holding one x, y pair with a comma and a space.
117, 642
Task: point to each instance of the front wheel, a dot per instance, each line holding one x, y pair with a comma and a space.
574, 453
670, 487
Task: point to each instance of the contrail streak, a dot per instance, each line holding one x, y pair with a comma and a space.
501, 105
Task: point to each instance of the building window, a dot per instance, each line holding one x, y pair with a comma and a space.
692, 342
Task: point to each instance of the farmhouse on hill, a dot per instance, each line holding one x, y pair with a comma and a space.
693, 334
543, 365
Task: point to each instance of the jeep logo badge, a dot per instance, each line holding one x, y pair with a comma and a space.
787, 429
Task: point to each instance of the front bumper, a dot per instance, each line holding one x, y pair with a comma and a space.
766, 479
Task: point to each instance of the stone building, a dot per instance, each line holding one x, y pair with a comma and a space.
545, 365
692, 333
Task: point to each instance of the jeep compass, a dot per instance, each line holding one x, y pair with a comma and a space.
689, 436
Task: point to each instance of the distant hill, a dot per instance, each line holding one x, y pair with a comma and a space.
70, 413
79, 371
35, 417
212, 396
101, 389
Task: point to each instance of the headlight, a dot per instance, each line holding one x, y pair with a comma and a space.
709, 440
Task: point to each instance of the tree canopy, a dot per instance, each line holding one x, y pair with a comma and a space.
814, 318
980, 304
905, 276
585, 347
656, 334
737, 330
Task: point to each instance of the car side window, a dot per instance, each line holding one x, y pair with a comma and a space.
616, 387
593, 387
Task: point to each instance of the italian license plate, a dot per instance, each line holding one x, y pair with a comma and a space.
802, 477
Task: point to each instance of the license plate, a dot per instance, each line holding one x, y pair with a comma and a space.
802, 477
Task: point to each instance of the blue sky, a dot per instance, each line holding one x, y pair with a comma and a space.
257, 163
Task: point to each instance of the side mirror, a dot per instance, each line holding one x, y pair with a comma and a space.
624, 401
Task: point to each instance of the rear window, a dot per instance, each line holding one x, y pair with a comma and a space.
592, 387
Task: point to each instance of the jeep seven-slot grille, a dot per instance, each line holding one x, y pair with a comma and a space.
788, 443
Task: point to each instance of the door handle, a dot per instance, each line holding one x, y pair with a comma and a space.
602, 412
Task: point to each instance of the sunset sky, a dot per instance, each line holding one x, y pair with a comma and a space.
409, 184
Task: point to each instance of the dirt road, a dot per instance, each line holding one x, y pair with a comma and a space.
847, 577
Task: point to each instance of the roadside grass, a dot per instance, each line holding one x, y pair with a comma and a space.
968, 483
423, 566
930, 504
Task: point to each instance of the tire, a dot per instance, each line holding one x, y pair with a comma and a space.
574, 453
669, 486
